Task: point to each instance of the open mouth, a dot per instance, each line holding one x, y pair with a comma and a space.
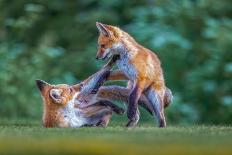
106, 57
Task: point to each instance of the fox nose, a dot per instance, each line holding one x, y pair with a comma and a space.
97, 57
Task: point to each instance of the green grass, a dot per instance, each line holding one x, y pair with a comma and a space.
24, 137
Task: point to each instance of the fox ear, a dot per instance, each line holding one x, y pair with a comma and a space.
56, 95
41, 84
103, 29
77, 87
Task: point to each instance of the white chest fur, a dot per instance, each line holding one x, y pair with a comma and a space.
73, 116
124, 64
127, 68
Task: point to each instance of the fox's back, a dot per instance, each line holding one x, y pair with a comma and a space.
147, 62
141, 62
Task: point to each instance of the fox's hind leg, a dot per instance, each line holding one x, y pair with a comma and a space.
156, 98
104, 121
111, 105
106, 113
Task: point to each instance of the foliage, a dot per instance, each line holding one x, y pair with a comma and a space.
56, 41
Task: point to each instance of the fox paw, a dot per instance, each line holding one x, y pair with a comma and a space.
94, 91
120, 111
131, 123
115, 58
101, 124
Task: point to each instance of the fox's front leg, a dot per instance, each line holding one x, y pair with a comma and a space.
103, 74
132, 111
100, 81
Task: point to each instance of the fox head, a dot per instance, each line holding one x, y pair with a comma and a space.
56, 95
110, 36
55, 98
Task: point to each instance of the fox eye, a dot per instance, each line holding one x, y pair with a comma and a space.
70, 89
103, 46
81, 86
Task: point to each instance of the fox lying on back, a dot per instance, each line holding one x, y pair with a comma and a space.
140, 65
77, 105
60, 109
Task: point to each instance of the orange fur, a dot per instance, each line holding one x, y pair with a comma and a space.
117, 75
142, 67
51, 116
54, 116
145, 61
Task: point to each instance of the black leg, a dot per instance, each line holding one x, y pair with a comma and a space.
100, 81
132, 110
113, 106
133, 105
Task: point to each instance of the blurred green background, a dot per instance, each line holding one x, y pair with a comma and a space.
57, 41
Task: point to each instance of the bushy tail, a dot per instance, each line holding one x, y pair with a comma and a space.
167, 97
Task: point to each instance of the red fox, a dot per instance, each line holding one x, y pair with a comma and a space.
60, 110
140, 65
63, 106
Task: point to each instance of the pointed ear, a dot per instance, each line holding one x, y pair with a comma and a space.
56, 95
103, 29
41, 84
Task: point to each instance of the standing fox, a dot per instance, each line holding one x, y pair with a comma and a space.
140, 65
